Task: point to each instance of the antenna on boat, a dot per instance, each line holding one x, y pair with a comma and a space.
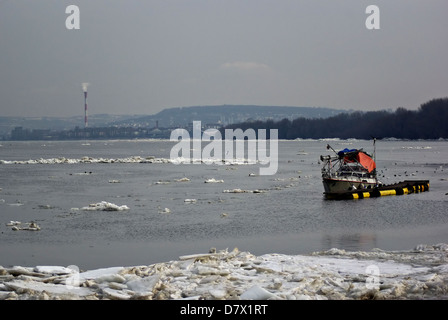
374, 149
374, 156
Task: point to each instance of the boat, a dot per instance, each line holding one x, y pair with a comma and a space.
352, 174
348, 170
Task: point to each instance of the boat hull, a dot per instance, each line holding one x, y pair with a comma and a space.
332, 185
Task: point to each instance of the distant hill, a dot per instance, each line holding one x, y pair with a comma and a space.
169, 118
228, 114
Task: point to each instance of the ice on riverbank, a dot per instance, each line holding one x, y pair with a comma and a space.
421, 273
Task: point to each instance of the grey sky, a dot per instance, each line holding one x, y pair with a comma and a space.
141, 56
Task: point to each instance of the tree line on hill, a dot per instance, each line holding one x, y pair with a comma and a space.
430, 121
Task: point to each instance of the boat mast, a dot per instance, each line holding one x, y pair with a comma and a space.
374, 149
374, 158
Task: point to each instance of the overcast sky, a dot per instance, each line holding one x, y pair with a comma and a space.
142, 56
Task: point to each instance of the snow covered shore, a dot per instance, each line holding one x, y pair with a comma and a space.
421, 273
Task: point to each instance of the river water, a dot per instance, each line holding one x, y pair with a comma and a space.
289, 216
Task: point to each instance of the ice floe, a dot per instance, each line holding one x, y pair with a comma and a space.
417, 147
130, 159
17, 204
238, 190
184, 179
63, 160
165, 210
28, 226
213, 180
162, 182
13, 223
421, 273
105, 206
